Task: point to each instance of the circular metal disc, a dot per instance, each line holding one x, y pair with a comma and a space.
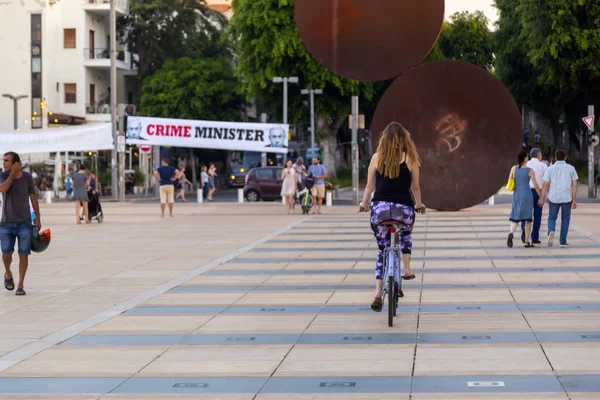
369, 40
466, 126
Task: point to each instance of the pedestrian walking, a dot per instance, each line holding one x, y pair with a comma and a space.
318, 191
69, 187
290, 185
205, 180
181, 182
81, 183
560, 183
165, 176
212, 187
522, 204
539, 168
18, 190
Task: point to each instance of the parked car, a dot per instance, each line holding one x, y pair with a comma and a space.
264, 183
237, 178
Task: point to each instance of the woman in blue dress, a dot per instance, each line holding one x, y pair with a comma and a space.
522, 204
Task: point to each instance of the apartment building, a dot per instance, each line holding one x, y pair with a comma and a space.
222, 6
57, 53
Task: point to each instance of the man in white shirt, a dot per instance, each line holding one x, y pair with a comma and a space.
539, 168
560, 182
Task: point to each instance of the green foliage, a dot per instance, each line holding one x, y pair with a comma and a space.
467, 37
187, 88
268, 45
140, 177
161, 30
548, 54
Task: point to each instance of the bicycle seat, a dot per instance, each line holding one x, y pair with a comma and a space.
391, 222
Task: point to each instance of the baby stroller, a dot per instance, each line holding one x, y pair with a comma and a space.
304, 196
94, 207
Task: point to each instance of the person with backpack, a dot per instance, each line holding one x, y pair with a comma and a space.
69, 187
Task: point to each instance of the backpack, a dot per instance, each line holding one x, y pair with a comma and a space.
309, 181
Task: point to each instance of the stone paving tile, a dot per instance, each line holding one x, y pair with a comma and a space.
196, 299
556, 295
466, 296
490, 396
84, 361
285, 297
563, 321
465, 322
142, 324
257, 324
574, 358
211, 361
361, 323
177, 397
315, 360
513, 359
331, 396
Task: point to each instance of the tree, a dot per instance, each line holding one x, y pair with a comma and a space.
203, 88
161, 30
548, 56
268, 45
467, 37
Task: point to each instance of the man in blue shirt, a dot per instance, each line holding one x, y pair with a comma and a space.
560, 182
165, 176
318, 191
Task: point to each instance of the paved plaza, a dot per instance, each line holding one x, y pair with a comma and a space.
241, 301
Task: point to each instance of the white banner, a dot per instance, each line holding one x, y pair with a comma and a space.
242, 136
80, 138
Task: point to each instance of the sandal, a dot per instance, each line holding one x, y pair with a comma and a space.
528, 244
377, 304
20, 292
409, 277
9, 283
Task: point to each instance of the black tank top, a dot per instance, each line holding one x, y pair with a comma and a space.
396, 190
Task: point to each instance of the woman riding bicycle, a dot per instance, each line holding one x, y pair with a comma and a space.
394, 174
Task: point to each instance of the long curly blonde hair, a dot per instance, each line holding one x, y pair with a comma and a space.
393, 143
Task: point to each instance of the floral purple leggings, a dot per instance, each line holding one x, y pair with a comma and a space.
381, 210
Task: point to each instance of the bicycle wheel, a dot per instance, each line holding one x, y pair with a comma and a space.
391, 301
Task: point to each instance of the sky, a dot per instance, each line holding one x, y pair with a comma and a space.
486, 6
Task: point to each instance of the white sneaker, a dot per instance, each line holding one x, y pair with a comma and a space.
551, 239
564, 246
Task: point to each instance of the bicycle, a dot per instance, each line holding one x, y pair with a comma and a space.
392, 266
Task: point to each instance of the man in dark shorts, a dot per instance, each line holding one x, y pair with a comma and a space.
17, 190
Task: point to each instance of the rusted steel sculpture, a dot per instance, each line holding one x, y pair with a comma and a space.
464, 121
465, 124
369, 40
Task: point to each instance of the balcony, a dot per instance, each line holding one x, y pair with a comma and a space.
102, 7
97, 113
100, 58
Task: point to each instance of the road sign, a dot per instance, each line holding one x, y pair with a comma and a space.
121, 144
594, 140
144, 149
589, 122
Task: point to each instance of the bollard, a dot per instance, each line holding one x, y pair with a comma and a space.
49, 197
491, 201
240, 195
328, 199
200, 196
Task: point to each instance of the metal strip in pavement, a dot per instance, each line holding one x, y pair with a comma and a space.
23, 353
300, 385
341, 309
338, 384
414, 249
58, 385
279, 260
581, 383
189, 385
457, 239
416, 270
510, 384
255, 339
409, 286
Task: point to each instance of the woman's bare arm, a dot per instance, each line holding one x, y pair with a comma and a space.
370, 180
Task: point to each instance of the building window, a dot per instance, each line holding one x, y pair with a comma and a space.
70, 93
36, 71
70, 41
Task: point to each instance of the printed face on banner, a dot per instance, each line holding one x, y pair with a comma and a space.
207, 134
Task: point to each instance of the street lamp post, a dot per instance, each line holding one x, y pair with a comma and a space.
311, 93
285, 81
15, 99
